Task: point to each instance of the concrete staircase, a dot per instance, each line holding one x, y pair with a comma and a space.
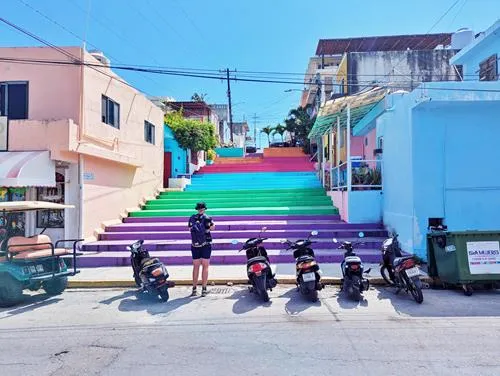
280, 193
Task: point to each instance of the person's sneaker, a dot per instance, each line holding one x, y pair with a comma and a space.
204, 291
194, 293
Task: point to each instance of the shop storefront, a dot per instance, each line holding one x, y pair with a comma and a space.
27, 176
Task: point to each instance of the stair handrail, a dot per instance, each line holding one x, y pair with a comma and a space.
314, 155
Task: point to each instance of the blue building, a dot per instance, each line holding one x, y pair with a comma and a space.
176, 160
441, 149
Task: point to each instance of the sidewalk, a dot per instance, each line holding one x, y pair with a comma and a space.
108, 277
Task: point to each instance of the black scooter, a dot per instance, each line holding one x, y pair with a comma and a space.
259, 271
149, 273
353, 273
400, 271
308, 273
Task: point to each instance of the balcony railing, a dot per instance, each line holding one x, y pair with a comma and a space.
365, 175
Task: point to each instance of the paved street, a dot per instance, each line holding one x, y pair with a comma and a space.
115, 332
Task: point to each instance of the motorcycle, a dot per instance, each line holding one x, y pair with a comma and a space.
353, 273
308, 273
400, 271
149, 273
259, 269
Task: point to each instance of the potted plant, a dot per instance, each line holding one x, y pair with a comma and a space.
211, 157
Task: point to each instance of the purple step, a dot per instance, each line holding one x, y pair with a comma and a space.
243, 226
171, 235
247, 218
218, 244
221, 257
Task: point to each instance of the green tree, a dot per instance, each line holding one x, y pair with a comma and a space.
267, 130
198, 97
299, 123
279, 129
191, 134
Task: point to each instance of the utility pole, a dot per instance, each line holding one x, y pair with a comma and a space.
230, 109
255, 117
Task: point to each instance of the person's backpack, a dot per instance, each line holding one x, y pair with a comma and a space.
198, 233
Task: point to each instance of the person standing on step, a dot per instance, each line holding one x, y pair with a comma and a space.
200, 226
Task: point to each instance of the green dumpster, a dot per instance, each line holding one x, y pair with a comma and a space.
464, 258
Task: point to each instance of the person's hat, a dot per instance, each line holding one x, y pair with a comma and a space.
200, 205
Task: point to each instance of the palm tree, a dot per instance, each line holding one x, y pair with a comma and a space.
267, 130
279, 129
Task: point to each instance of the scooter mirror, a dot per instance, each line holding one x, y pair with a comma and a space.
129, 248
335, 240
314, 233
234, 241
264, 229
361, 234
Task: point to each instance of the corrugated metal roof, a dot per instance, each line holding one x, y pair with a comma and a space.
382, 43
360, 104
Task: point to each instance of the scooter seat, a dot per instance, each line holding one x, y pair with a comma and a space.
305, 258
352, 259
148, 262
256, 259
399, 260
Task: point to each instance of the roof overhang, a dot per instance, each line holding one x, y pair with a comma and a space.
27, 169
18, 206
459, 58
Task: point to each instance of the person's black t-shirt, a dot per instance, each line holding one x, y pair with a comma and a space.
206, 220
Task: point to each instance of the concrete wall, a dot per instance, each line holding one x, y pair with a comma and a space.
405, 69
365, 207
440, 149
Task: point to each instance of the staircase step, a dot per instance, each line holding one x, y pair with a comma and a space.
172, 235
220, 244
246, 218
238, 211
246, 226
220, 257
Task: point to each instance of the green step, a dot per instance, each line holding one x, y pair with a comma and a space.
266, 196
305, 210
253, 192
233, 204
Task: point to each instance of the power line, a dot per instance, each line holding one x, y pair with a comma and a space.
74, 59
75, 35
220, 77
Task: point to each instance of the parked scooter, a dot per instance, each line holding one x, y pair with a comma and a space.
149, 273
308, 272
259, 270
353, 281
400, 271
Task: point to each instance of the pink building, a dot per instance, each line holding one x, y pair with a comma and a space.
75, 134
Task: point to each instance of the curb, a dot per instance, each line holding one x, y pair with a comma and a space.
90, 284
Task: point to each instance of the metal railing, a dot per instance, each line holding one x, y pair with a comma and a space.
364, 175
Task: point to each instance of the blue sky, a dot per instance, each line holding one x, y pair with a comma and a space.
258, 35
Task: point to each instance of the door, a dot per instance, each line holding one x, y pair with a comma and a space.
167, 167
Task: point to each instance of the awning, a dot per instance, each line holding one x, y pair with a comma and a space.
27, 169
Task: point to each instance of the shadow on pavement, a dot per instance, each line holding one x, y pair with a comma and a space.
346, 302
246, 301
137, 301
443, 303
30, 303
297, 303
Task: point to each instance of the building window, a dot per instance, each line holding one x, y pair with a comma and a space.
488, 69
149, 132
14, 100
110, 111
380, 142
51, 218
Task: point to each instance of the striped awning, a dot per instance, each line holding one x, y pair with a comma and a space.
27, 169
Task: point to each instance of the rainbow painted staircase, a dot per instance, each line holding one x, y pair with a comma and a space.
281, 193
